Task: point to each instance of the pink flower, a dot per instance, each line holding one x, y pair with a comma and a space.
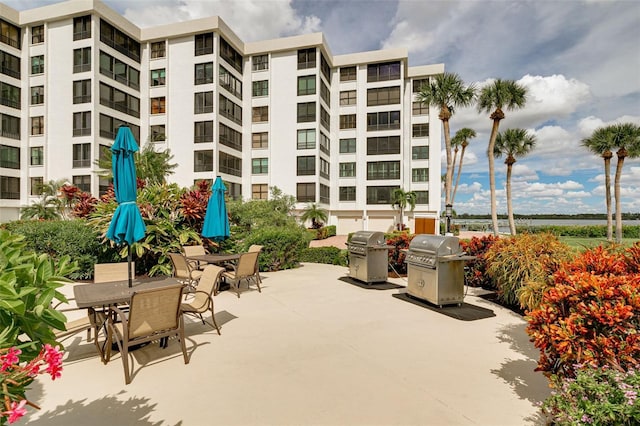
53, 357
16, 411
10, 358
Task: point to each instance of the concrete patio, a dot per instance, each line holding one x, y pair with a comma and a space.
311, 349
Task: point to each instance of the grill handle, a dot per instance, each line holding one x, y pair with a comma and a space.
455, 257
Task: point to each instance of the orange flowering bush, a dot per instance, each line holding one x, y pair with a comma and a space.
591, 315
475, 273
400, 242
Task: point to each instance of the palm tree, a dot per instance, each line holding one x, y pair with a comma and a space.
496, 96
461, 138
151, 166
514, 143
315, 214
401, 199
447, 91
50, 206
601, 142
627, 139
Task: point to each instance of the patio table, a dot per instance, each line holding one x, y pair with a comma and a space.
215, 258
110, 293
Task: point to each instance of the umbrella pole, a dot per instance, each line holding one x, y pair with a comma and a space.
129, 265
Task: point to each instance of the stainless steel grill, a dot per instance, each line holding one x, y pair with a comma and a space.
435, 269
368, 256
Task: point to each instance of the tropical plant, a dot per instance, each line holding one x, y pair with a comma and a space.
461, 139
513, 143
447, 92
152, 166
49, 206
400, 199
475, 271
494, 98
315, 214
399, 241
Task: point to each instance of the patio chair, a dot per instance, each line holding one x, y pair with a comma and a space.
197, 250
154, 314
107, 272
201, 300
245, 269
184, 271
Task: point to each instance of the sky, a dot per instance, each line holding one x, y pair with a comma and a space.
579, 61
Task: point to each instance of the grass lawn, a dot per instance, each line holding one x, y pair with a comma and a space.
586, 243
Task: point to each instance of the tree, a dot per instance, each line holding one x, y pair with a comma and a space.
494, 97
513, 143
461, 139
447, 91
401, 199
627, 139
315, 214
49, 206
152, 166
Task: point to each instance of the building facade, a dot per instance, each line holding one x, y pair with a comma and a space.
341, 131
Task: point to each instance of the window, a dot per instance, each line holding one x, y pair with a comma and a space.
347, 169
109, 127
158, 133
9, 188
306, 58
81, 91
37, 95
348, 74
230, 165
10, 95
380, 194
348, 97
9, 157
347, 146
306, 139
325, 118
230, 82
306, 165
9, 64
231, 138
104, 152
158, 105
383, 96
383, 145
120, 101
422, 197
158, 49
37, 64
385, 120
260, 62
420, 130
420, 152
203, 161
383, 72
260, 88
325, 194
260, 140
119, 71
103, 185
37, 126
347, 121
418, 83
204, 44
259, 114
347, 193
82, 59
306, 192
325, 143
383, 170
9, 34
10, 126
82, 182
230, 55
35, 185
158, 77
230, 110
82, 27
325, 94
36, 156
203, 102
259, 191
325, 68
306, 112
81, 155
260, 166
203, 131
37, 34
203, 73
82, 123
234, 190
307, 85
420, 175
118, 40
419, 108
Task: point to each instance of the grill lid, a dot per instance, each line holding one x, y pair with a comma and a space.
435, 245
368, 238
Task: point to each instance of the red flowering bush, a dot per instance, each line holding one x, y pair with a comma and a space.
591, 315
84, 205
475, 272
400, 241
194, 203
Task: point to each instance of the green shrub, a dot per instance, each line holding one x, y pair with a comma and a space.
281, 246
327, 255
588, 231
400, 241
475, 271
331, 231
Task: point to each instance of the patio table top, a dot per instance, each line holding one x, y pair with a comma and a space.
109, 293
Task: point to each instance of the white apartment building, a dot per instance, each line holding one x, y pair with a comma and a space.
341, 131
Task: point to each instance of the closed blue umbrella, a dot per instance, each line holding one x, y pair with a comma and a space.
126, 225
216, 221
